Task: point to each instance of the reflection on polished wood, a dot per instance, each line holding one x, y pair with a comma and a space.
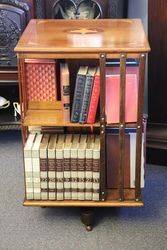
103, 35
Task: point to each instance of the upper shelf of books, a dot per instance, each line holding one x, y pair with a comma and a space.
86, 36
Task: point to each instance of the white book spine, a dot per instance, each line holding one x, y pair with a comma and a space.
59, 174
36, 167
28, 167
96, 170
81, 174
133, 160
74, 174
67, 174
89, 174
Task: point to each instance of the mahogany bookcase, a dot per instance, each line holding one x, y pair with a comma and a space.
98, 40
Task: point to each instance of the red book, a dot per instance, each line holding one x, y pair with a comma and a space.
94, 98
113, 94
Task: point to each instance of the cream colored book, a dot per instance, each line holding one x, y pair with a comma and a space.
89, 168
74, 166
96, 169
36, 167
52, 167
44, 166
28, 167
67, 167
59, 168
81, 167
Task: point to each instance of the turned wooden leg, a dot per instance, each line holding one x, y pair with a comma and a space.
87, 218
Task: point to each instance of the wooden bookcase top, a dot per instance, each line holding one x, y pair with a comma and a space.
83, 36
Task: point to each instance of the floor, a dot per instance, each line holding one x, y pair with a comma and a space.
60, 228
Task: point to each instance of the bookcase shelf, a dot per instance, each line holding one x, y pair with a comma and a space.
50, 118
97, 40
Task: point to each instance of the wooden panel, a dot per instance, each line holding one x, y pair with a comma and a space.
102, 35
44, 105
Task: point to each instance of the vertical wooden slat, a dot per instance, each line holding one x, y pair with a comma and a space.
139, 126
122, 126
102, 128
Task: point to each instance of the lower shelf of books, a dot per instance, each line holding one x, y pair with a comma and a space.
111, 201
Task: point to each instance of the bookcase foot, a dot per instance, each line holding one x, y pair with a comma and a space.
87, 218
43, 207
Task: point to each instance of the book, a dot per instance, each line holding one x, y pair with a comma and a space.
78, 93
74, 166
87, 95
81, 167
96, 169
67, 167
89, 168
65, 90
28, 167
113, 94
94, 98
36, 167
44, 166
52, 167
59, 167
41, 82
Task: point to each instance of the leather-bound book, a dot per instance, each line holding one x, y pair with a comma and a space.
113, 94
94, 98
78, 93
52, 167
41, 82
67, 167
96, 169
89, 168
81, 167
36, 167
74, 166
87, 95
65, 90
59, 167
44, 166
28, 166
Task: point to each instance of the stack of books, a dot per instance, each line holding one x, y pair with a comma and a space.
86, 95
62, 167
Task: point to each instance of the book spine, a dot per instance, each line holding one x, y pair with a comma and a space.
96, 176
36, 178
88, 178
59, 175
74, 175
94, 100
67, 177
81, 178
78, 96
86, 99
65, 92
52, 178
44, 178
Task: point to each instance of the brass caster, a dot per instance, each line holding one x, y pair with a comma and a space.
89, 228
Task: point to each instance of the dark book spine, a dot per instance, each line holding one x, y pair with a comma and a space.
78, 97
86, 99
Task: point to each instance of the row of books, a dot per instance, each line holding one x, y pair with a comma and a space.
42, 85
62, 167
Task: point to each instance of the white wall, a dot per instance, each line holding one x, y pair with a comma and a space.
139, 9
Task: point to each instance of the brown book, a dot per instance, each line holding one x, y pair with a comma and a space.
44, 166
65, 90
52, 167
